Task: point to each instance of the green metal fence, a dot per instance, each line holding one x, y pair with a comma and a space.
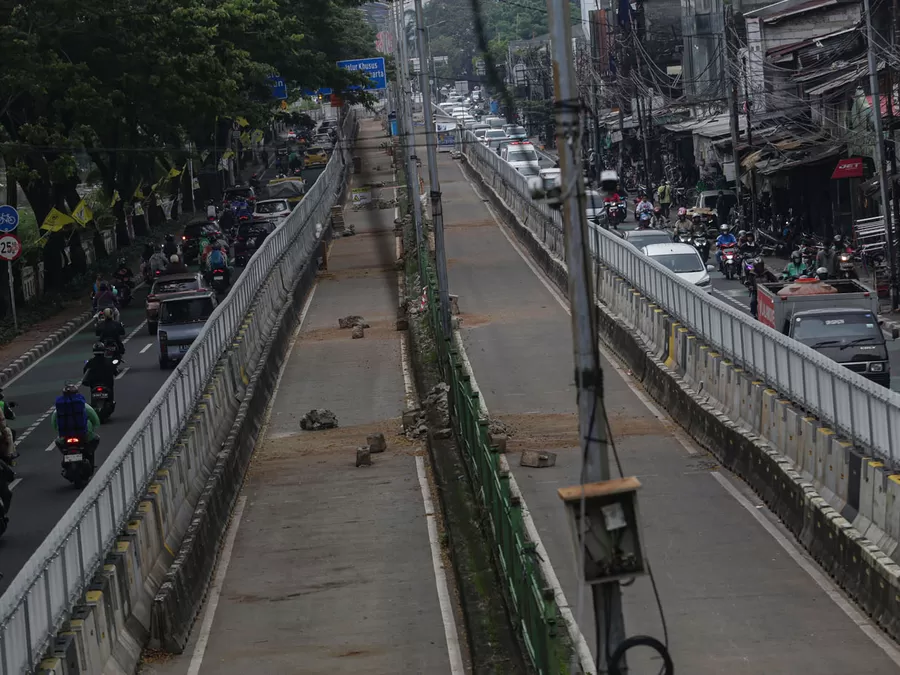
533, 603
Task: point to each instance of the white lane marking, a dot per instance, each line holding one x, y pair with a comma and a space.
146, 347
822, 581
12, 486
25, 434
731, 300
440, 576
122, 374
215, 590
37, 361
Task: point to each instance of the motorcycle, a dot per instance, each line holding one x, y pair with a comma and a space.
77, 461
7, 474
684, 238
99, 318
657, 220
613, 213
219, 284
846, 268
111, 352
701, 243
123, 291
728, 261
102, 401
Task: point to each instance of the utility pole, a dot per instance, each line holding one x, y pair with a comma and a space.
437, 211
879, 158
608, 615
895, 197
753, 199
733, 107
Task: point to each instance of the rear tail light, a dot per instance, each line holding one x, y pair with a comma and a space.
99, 388
152, 298
72, 441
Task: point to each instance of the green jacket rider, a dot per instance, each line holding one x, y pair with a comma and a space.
93, 421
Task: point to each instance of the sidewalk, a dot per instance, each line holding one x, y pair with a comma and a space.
739, 597
331, 569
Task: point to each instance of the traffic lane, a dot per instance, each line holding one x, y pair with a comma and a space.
41, 495
725, 584
737, 295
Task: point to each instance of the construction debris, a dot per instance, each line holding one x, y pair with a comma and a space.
376, 442
363, 456
318, 419
358, 332
538, 459
352, 321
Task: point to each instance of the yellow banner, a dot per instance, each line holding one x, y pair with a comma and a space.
227, 154
82, 213
174, 173
115, 199
56, 220
245, 139
257, 135
139, 191
242, 121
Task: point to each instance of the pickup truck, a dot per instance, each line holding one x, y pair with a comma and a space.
842, 326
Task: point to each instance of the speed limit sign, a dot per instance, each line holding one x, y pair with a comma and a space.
10, 247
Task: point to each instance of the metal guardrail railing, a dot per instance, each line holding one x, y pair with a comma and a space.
38, 600
537, 612
866, 413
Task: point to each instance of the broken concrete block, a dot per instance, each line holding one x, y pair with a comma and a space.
454, 305
538, 459
376, 442
318, 419
363, 456
358, 333
411, 418
402, 324
350, 321
437, 406
454, 322
498, 441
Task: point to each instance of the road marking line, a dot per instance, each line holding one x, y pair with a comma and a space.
124, 370
871, 631
146, 347
215, 590
440, 576
25, 434
12, 486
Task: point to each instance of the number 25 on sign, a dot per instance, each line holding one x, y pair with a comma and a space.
10, 247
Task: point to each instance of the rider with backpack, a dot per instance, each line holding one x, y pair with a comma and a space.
73, 417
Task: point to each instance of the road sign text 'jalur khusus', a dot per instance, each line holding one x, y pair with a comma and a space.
373, 67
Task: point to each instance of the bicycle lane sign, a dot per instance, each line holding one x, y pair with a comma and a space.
9, 218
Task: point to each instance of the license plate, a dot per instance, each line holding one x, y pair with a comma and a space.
73, 458
101, 395
183, 348
218, 277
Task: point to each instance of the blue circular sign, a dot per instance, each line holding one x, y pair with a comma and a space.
9, 218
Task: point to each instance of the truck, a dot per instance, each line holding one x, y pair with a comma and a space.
462, 87
838, 319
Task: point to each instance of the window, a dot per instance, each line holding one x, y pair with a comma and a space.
837, 327
189, 310
519, 155
162, 287
271, 207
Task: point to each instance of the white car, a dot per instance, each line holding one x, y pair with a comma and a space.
494, 136
272, 209
552, 177
522, 157
594, 205
683, 260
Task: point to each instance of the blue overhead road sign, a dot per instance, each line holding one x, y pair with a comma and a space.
9, 218
279, 88
374, 68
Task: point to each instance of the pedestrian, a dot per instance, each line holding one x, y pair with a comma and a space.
265, 157
665, 198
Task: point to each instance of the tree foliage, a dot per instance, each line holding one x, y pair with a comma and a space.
130, 84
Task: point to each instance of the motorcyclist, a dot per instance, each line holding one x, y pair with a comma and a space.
148, 252
176, 266
254, 181
123, 272
822, 274
159, 261
748, 247
73, 416
105, 298
218, 260
725, 240
795, 268
170, 248
7, 442
644, 220
828, 258
98, 371
683, 224
7, 476
211, 211
111, 329
643, 206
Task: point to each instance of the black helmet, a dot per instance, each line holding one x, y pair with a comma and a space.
70, 388
170, 238
98, 348
796, 257
121, 262
104, 286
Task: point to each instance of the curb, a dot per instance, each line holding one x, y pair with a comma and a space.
45, 346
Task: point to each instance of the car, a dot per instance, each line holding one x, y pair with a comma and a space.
479, 133
193, 233
683, 260
708, 200
315, 156
181, 318
552, 177
324, 142
275, 210
245, 192
493, 136
595, 206
641, 238
166, 285
515, 132
495, 122
250, 236
521, 155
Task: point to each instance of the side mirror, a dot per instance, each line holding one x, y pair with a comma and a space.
710, 268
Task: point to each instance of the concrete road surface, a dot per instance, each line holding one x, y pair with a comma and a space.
740, 597
329, 568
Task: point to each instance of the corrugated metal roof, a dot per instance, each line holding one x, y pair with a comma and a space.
785, 8
839, 81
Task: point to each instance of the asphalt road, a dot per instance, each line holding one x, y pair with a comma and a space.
738, 593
